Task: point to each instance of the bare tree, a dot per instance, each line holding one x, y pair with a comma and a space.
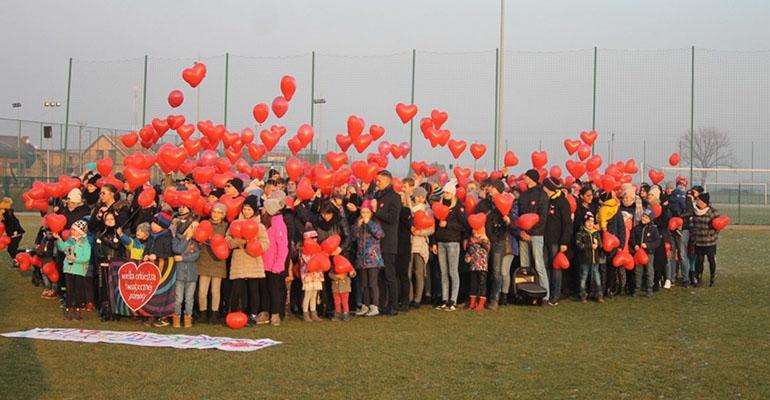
711, 148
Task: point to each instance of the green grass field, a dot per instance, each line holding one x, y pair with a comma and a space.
683, 344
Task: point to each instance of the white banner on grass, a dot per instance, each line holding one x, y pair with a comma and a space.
147, 339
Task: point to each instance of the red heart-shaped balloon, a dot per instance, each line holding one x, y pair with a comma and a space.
440, 211
342, 265
355, 127
55, 222
376, 131
295, 145
330, 244
362, 142
609, 241
438, 118
135, 177
504, 203
571, 146
674, 159
423, 221
720, 223
525, 222
194, 75
588, 137
104, 166
305, 134
478, 150
294, 168
175, 121
269, 139
406, 112
539, 159
288, 87
477, 221
576, 168
344, 141
203, 232
641, 257
510, 159
280, 106
129, 139
560, 261
594, 163
656, 176
260, 113
584, 151
336, 160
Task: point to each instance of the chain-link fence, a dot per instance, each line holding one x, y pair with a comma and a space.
641, 102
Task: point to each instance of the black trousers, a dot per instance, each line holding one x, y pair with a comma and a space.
478, 283
248, 295
76, 290
391, 282
699, 263
276, 293
402, 274
13, 247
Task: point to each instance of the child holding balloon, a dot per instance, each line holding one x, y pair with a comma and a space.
477, 257
312, 282
77, 253
646, 238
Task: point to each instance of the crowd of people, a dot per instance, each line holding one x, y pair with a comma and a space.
397, 266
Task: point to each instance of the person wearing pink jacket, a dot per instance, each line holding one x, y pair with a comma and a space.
274, 258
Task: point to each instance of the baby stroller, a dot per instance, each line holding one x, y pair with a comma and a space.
526, 287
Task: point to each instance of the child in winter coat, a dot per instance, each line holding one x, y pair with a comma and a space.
588, 242
106, 248
368, 233
312, 283
77, 252
135, 245
187, 252
247, 271
645, 237
420, 249
477, 257
45, 248
12, 226
159, 250
275, 256
341, 288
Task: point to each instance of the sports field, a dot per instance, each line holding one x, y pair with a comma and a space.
682, 344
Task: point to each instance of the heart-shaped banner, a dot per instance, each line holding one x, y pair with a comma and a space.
138, 283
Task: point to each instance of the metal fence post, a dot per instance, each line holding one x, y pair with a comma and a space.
19, 168
497, 93
593, 107
692, 108
411, 122
67, 111
739, 203
144, 94
227, 74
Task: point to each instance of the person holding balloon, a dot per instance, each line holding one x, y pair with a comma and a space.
276, 254
496, 230
531, 246
645, 238
12, 226
451, 232
705, 235
558, 234
77, 255
588, 244
611, 225
211, 269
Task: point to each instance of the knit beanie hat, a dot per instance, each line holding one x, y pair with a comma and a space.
551, 184
75, 196
143, 227
253, 202
648, 212
450, 187
80, 226
273, 206
589, 215
6, 203
533, 174
367, 204
237, 183
420, 191
93, 179
162, 219
219, 207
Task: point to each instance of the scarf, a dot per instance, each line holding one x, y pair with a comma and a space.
701, 212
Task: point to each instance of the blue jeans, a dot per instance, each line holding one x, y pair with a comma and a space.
449, 263
184, 291
593, 270
496, 253
554, 275
670, 271
528, 256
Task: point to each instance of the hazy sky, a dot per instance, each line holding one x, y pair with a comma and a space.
39, 36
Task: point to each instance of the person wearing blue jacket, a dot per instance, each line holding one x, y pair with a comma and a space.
77, 254
187, 252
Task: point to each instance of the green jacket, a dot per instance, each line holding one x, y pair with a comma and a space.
82, 251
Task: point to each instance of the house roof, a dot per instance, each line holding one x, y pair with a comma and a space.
116, 143
9, 146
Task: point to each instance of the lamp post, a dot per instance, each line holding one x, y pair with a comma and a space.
51, 105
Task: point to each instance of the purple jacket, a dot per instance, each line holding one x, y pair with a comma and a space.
275, 256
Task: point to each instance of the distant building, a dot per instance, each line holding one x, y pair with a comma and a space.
9, 154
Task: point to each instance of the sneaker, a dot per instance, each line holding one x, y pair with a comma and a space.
553, 303
373, 311
252, 321
361, 311
160, 323
442, 306
346, 316
667, 285
275, 320
450, 307
263, 318
45, 294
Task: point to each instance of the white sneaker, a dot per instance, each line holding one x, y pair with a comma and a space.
667, 285
362, 311
373, 311
450, 308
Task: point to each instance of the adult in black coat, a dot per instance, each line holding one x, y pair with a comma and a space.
387, 206
330, 223
496, 228
534, 200
558, 233
109, 202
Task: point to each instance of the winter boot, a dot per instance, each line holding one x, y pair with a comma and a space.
203, 317
188, 321
176, 321
263, 318
306, 317
480, 305
314, 316
275, 320
471, 304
